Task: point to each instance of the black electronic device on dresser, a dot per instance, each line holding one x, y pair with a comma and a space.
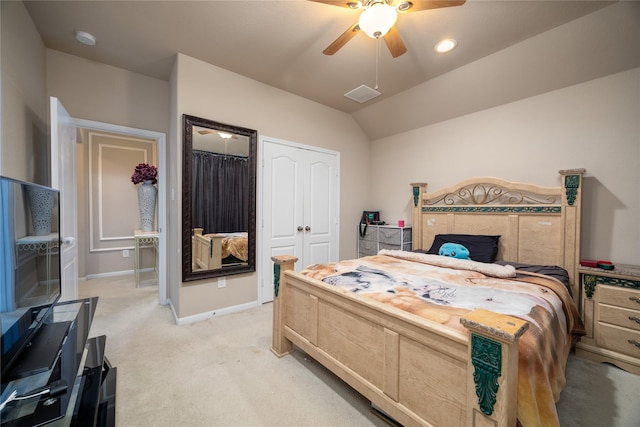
51, 372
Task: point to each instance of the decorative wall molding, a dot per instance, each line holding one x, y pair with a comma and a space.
103, 148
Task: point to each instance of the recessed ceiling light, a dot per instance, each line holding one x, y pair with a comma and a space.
445, 45
85, 38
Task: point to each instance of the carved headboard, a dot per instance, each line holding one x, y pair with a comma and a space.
537, 225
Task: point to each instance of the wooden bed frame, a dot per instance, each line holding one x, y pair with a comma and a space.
206, 251
416, 371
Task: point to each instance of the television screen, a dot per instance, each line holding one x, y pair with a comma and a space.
29, 263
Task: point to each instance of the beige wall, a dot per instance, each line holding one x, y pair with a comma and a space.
95, 91
24, 148
110, 201
595, 125
210, 92
102, 93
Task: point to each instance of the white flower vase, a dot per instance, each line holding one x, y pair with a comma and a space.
41, 206
147, 195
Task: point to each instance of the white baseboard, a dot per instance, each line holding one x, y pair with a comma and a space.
113, 273
208, 314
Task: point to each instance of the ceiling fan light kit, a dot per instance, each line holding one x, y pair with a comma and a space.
377, 19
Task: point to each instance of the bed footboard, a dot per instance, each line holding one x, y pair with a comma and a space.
417, 371
206, 251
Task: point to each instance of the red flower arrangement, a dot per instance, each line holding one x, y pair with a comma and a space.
144, 172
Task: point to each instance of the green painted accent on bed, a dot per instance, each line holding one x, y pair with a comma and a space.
416, 195
494, 209
486, 356
589, 281
571, 184
276, 279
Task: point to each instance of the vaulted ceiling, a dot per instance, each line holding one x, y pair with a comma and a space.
280, 43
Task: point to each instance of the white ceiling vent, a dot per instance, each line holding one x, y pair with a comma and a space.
362, 93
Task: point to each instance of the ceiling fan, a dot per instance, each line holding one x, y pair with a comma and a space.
378, 20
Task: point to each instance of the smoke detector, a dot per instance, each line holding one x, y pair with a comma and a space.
85, 38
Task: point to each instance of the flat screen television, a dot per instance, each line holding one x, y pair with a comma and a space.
30, 283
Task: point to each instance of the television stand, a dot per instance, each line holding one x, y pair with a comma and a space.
42, 352
62, 353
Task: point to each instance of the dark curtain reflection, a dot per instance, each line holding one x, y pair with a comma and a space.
220, 202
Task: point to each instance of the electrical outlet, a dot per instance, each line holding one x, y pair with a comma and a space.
125, 253
222, 282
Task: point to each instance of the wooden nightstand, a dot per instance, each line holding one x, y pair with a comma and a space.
610, 302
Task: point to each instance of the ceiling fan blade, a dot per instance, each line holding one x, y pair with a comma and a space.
205, 131
342, 40
394, 42
347, 4
417, 5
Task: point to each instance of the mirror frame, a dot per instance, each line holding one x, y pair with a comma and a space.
187, 170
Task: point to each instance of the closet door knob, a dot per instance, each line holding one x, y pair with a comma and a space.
300, 228
307, 228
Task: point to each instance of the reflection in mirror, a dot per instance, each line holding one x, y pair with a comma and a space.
218, 204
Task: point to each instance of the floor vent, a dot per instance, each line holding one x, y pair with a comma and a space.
362, 93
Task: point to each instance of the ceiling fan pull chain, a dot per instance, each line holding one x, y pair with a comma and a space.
377, 57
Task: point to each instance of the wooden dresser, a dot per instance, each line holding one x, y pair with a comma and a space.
610, 307
378, 237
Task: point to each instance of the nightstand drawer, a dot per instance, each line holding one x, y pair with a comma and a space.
389, 235
394, 236
371, 233
620, 316
367, 247
621, 297
618, 339
403, 247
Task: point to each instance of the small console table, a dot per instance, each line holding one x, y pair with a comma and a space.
610, 301
144, 239
41, 245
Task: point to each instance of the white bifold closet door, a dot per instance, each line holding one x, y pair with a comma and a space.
300, 206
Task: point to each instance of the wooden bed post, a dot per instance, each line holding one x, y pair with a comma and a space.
571, 202
418, 189
280, 346
492, 381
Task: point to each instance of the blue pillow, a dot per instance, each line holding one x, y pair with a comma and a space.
454, 250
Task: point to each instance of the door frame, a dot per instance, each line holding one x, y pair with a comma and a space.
260, 212
161, 138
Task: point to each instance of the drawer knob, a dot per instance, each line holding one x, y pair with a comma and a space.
636, 299
635, 319
634, 342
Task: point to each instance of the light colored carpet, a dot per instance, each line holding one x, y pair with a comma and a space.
220, 372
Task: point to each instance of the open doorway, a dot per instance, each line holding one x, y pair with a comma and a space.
107, 200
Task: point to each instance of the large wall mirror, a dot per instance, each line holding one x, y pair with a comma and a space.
219, 199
